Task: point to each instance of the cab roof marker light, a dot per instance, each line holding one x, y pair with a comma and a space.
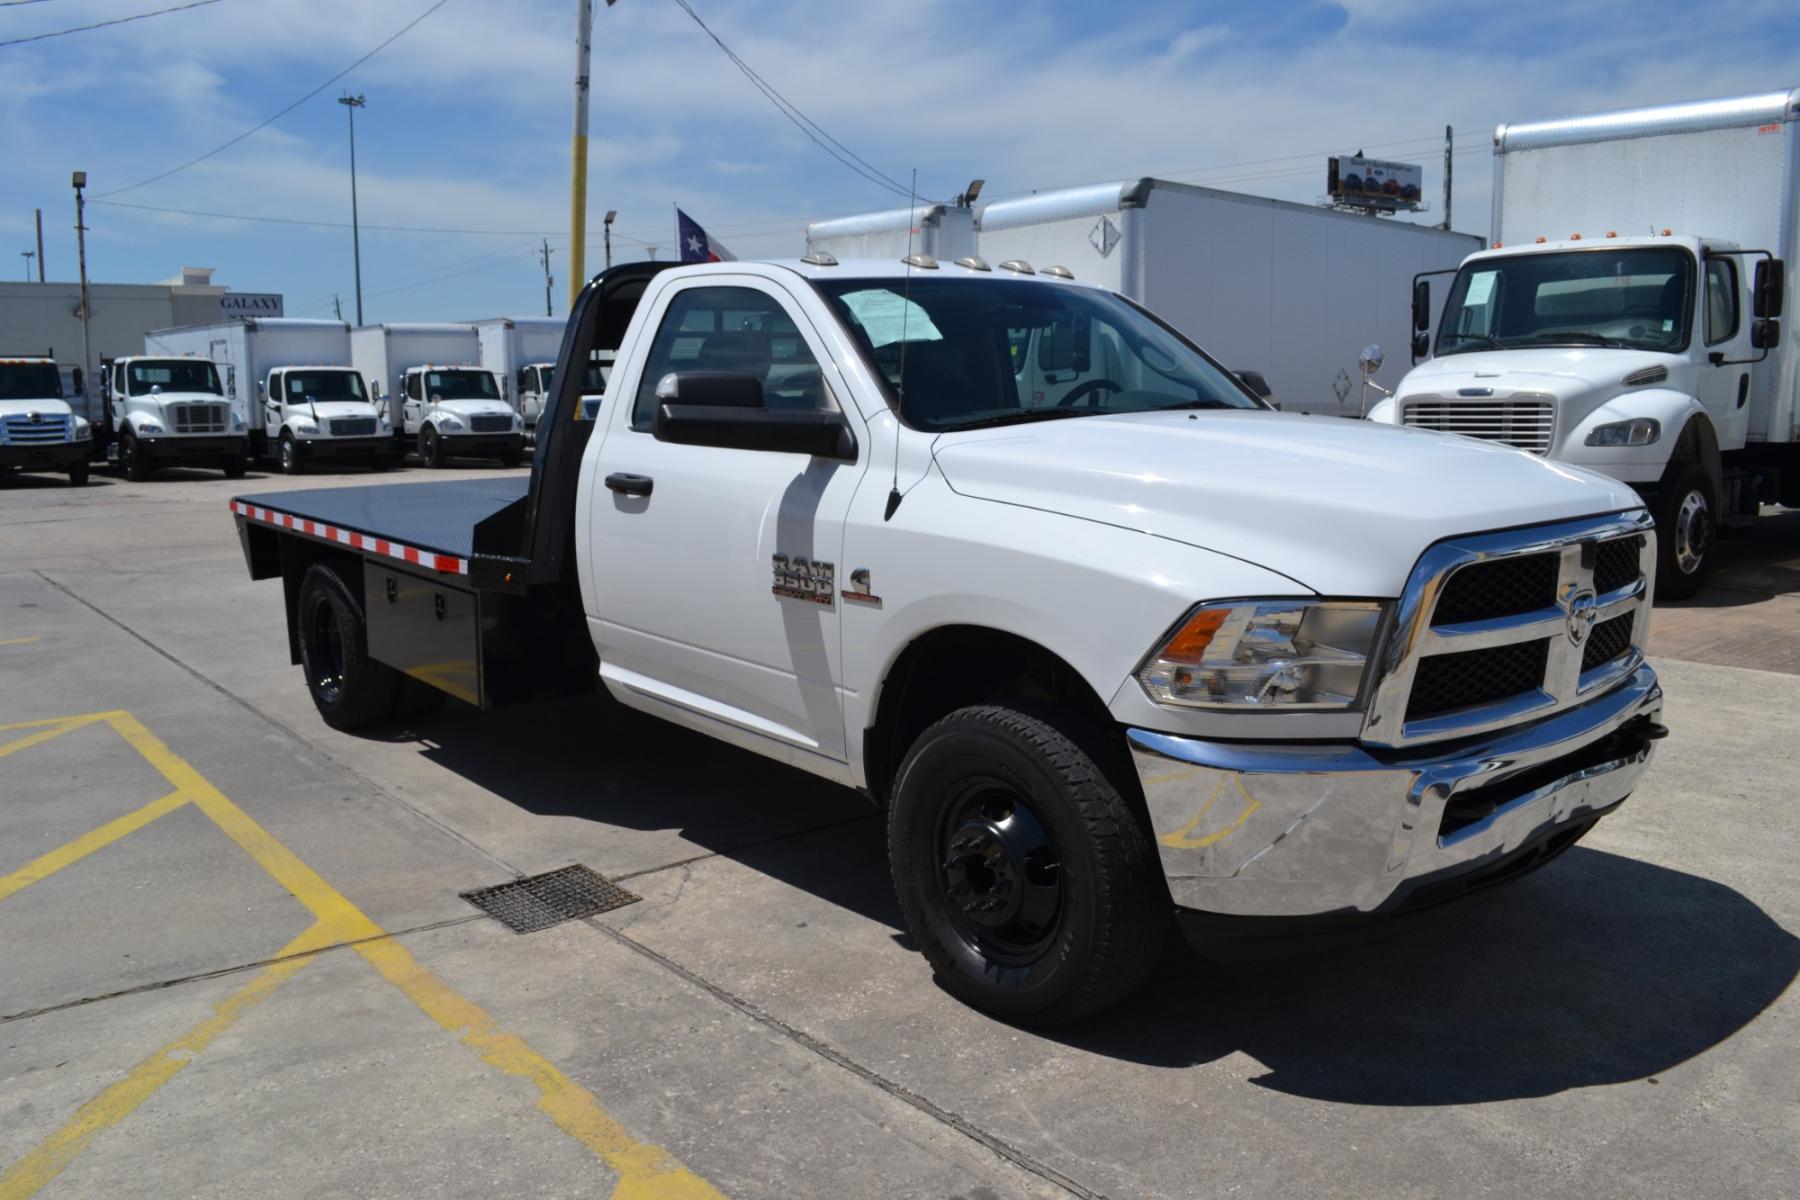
818, 258
1057, 272
973, 262
1612, 233
923, 262
1667, 233
1574, 237
1541, 239
1017, 266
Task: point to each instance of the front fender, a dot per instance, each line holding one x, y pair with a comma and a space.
1387, 412
1671, 409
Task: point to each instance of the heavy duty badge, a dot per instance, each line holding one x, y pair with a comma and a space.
800, 579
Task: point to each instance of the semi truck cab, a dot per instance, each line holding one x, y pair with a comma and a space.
314, 414
456, 411
172, 410
38, 429
1632, 356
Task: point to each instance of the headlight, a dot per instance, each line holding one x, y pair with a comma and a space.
148, 427
446, 421
237, 423
1265, 654
1639, 431
83, 430
306, 426
518, 421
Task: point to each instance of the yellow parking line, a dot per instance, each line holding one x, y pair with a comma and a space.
646, 1172
27, 1176
45, 731
24, 641
49, 864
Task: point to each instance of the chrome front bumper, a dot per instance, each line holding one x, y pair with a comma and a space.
1276, 829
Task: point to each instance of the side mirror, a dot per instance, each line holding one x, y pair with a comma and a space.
1421, 306
1370, 360
725, 409
78, 381
1765, 333
1421, 344
1766, 293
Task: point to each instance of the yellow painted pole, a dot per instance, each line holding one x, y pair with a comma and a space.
584, 38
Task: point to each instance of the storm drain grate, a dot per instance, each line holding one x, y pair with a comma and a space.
540, 901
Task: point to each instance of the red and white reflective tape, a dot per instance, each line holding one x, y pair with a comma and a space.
446, 564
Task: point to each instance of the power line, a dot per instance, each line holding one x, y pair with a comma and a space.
800, 120
221, 216
284, 112
40, 37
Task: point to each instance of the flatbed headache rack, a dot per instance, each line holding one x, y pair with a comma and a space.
466, 585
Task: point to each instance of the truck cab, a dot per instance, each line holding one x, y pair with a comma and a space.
457, 411
1632, 356
38, 429
168, 411
316, 414
536, 382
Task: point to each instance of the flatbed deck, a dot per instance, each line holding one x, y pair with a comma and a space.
431, 525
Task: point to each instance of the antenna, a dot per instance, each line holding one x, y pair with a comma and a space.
912, 204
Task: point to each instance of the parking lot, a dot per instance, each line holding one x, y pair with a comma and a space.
236, 960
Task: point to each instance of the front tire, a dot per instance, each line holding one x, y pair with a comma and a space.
349, 688
78, 473
1686, 531
431, 447
131, 459
235, 466
288, 454
1024, 875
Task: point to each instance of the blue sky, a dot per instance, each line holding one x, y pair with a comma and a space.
468, 118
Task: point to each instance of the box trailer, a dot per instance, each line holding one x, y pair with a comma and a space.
245, 351
508, 345
945, 232
1627, 316
1291, 291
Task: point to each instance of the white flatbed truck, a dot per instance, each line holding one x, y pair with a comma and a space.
1154, 655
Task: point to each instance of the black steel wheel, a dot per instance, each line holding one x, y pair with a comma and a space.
1024, 875
431, 447
131, 459
1686, 528
349, 688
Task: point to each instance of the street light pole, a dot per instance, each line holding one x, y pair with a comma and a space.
610, 214
79, 181
584, 37
27, 255
351, 104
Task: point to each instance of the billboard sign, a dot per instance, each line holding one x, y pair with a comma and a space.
1370, 183
250, 304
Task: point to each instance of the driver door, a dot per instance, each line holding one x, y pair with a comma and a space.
271, 403
413, 410
1723, 326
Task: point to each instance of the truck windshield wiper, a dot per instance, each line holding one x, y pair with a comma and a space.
1484, 339
1574, 335
1021, 417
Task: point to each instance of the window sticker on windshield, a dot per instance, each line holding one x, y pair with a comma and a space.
1668, 324
1481, 286
884, 314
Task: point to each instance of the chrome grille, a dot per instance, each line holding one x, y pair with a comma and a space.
490, 424
1525, 422
197, 418
23, 430
352, 426
1499, 629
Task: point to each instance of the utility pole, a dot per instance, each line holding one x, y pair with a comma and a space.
584, 39
611, 213
79, 181
27, 255
40, 252
549, 282
351, 104
337, 306
1449, 141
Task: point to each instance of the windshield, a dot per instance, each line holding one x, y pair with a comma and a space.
993, 352
319, 387
1637, 298
30, 381
173, 375
461, 385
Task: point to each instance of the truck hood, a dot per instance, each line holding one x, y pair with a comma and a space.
48, 407
1561, 372
475, 408
167, 398
1342, 507
328, 409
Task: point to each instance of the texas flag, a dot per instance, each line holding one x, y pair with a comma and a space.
695, 245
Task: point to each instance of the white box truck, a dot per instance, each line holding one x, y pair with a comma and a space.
943, 231
1289, 291
520, 350
39, 431
1626, 316
439, 397
291, 382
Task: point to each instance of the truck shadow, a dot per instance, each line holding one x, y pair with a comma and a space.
1599, 969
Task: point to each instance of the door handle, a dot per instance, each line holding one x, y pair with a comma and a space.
629, 485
